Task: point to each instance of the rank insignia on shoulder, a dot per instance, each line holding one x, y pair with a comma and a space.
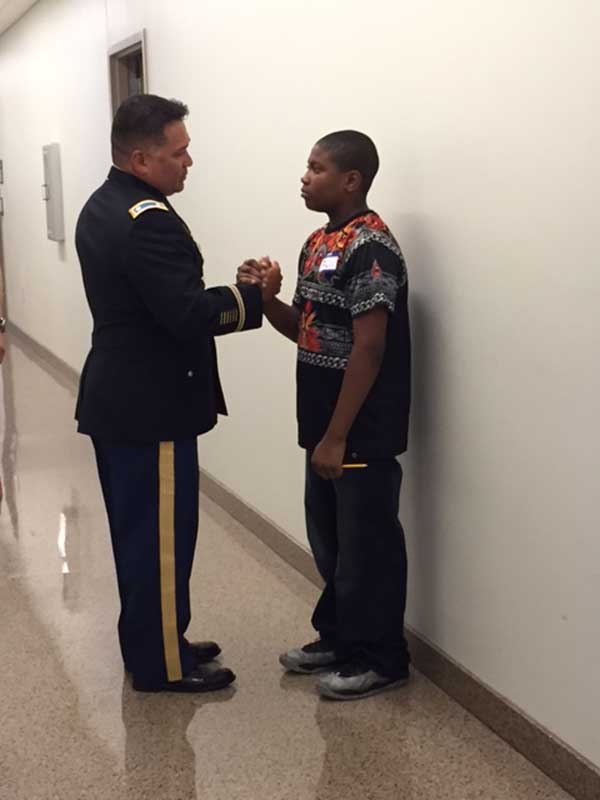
146, 205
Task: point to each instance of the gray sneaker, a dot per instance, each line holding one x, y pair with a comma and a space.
355, 680
314, 657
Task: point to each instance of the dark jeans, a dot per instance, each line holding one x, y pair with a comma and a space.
358, 544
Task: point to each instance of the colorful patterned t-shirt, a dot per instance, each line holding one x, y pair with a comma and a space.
344, 272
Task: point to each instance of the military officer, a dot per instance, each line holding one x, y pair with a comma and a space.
150, 385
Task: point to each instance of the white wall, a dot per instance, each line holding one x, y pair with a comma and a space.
53, 88
487, 123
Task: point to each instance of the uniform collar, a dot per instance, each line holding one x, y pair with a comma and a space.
117, 175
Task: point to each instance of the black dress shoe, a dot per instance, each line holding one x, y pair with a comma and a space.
201, 679
204, 652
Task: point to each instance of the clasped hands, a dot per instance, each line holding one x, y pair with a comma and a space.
264, 273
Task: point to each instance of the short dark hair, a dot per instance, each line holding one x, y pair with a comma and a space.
141, 119
352, 150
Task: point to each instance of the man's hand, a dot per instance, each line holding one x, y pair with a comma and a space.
271, 280
264, 273
328, 458
251, 272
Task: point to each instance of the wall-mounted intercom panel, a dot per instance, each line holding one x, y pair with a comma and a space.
52, 193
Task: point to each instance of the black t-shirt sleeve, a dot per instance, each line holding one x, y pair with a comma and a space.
372, 278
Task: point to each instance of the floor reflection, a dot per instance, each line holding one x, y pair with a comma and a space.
69, 552
159, 756
9, 442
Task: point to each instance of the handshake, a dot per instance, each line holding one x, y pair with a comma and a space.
263, 273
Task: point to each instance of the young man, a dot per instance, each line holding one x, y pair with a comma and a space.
349, 319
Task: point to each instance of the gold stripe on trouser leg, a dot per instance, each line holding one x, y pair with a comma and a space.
166, 533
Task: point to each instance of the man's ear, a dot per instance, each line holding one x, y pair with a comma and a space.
353, 181
138, 161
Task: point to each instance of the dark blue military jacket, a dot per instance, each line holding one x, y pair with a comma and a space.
151, 374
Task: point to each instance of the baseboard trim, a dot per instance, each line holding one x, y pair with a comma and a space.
555, 758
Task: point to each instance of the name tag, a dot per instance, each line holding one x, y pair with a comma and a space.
329, 263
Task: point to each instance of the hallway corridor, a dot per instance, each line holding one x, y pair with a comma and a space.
72, 727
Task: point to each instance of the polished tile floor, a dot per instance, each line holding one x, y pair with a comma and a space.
71, 726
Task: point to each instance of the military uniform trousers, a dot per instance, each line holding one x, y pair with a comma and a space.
151, 497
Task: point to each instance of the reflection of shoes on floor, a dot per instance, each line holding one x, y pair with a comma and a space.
356, 680
315, 657
202, 679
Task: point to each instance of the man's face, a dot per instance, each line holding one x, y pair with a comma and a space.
324, 185
165, 166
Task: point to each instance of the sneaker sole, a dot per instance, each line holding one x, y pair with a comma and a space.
331, 694
291, 666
